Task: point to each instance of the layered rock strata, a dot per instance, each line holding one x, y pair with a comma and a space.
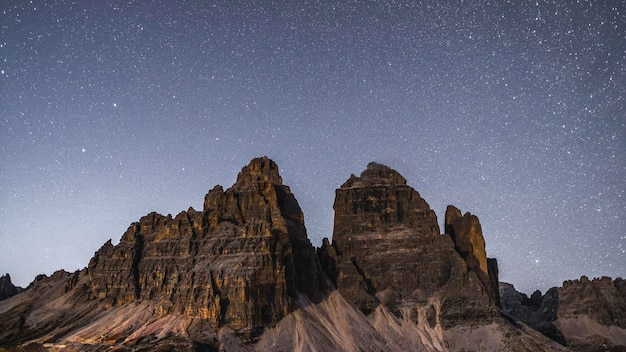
584, 315
467, 235
238, 263
241, 275
387, 250
601, 299
591, 314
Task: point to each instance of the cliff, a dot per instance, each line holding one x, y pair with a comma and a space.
584, 315
467, 235
241, 275
238, 263
7, 289
387, 250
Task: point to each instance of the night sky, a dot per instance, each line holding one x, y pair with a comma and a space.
512, 110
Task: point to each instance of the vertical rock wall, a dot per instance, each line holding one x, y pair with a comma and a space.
467, 235
387, 249
240, 262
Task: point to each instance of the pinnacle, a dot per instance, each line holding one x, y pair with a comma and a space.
260, 169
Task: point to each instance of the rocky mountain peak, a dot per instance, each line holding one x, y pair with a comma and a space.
239, 263
375, 174
241, 275
259, 170
584, 315
467, 235
7, 289
387, 251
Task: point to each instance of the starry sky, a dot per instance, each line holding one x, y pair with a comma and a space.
512, 110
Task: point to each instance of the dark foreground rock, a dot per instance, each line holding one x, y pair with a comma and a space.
7, 289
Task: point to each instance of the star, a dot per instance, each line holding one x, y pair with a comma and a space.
522, 125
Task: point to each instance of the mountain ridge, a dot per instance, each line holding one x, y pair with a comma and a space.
242, 275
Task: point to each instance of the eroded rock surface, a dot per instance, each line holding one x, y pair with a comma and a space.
592, 314
237, 263
467, 235
387, 249
241, 275
7, 289
584, 315
539, 311
602, 299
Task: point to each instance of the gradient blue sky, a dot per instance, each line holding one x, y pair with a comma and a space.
511, 110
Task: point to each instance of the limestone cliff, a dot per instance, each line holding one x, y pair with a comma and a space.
387, 250
591, 314
584, 315
238, 263
537, 311
241, 275
467, 235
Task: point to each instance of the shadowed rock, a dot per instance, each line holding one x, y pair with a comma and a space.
584, 315
7, 289
387, 249
539, 312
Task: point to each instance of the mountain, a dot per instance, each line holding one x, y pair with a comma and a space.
238, 263
387, 250
7, 289
241, 275
585, 315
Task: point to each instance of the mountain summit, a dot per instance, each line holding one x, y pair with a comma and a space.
241, 275
239, 263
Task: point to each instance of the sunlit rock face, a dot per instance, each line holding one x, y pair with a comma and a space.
467, 235
387, 249
237, 263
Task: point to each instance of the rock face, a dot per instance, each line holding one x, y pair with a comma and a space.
603, 300
387, 250
584, 315
238, 263
592, 314
7, 289
241, 275
467, 235
539, 312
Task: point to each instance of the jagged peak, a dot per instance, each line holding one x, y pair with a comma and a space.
452, 214
261, 169
374, 174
